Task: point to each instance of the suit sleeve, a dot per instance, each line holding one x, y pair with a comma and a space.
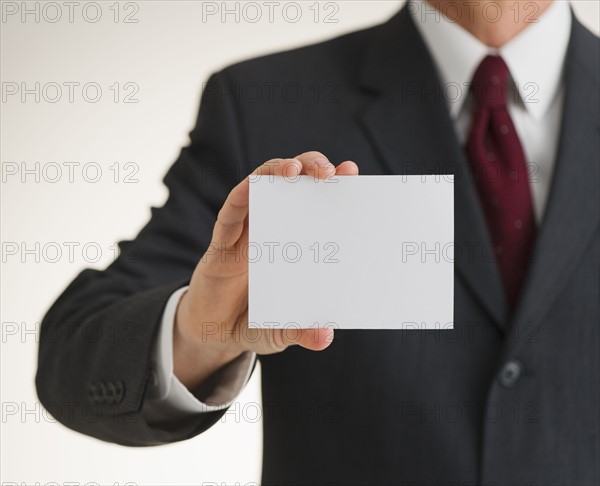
96, 341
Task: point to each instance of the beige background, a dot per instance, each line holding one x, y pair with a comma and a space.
166, 55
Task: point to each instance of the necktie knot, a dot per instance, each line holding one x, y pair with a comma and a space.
489, 84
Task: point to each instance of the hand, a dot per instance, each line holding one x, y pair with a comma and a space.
211, 325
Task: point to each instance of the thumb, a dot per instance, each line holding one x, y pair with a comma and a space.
313, 339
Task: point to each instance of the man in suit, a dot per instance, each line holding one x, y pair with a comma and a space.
505, 96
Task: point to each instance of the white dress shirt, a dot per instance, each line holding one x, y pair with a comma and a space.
535, 59
168, 398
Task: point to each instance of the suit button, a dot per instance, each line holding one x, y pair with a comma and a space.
103, 393
95, 393
510, 373
111, 392
92, 393
119, 391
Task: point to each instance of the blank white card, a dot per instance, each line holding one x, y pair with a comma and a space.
361, 252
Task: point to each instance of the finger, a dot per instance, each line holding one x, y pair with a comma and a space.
316, 164
313, 339
279, 167
230, 220
231, 217
347, 168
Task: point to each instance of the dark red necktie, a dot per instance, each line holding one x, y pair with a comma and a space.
500, 173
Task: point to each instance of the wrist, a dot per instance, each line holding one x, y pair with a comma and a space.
199, 348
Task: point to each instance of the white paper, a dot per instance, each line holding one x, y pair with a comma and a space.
353, 252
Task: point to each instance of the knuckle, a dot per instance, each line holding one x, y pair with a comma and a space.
278, 340
272, 163
312, 154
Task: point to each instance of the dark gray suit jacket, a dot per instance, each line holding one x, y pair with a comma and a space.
501, 399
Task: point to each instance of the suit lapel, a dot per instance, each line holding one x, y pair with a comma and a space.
409, 124
572, 214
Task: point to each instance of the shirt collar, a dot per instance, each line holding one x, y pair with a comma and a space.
535, 57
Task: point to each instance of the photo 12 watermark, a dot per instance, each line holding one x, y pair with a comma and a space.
70, 12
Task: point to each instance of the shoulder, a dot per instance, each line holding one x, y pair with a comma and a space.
337, 58
585, 48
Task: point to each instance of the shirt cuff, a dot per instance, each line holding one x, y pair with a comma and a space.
168, 398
